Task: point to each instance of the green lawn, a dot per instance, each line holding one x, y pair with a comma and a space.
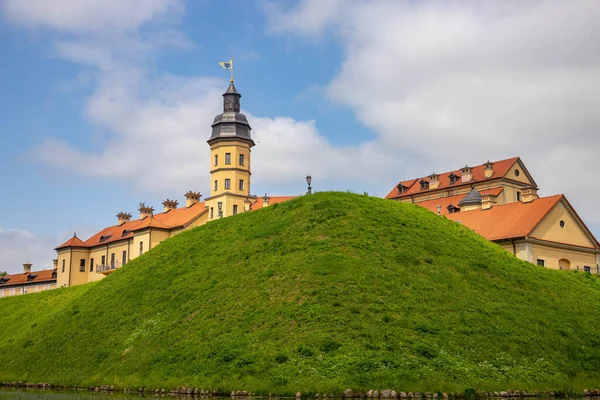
317, 294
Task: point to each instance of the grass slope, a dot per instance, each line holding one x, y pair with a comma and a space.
317, 294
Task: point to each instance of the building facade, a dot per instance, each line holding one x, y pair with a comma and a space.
27, 282
81, 261
500, 201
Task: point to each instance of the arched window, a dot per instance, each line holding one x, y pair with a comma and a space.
564, 264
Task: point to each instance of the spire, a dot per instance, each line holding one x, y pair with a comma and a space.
231, 99
231, 123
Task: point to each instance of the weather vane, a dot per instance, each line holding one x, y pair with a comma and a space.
228, 65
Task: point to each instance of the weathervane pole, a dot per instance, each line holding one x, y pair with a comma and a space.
231, 61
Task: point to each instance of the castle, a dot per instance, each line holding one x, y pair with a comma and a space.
498, 200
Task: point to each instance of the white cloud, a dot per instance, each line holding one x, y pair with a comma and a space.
18, 246
463, 82
76, 16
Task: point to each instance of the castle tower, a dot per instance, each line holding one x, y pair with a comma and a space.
230, 145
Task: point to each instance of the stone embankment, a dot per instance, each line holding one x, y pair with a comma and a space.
348, 393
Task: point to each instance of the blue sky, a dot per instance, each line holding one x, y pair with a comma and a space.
107, 104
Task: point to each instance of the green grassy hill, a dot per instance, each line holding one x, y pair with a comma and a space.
317, 294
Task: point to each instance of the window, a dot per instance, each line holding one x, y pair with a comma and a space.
216, 159
212, 211
424, 184
112, 259
103, 261
234, 209
517, 172
63, 266
453, 178
241, 186
82, 265
227, 184
541, 263
91, 265
562, 224
587, 269
242, 159
124, 260
518, 196
216, 186
227, 158
141, 248
401, 188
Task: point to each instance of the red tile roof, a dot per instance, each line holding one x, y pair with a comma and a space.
431, 205
501, 168
22, 278
507, 221
73, 242
272, 200
179, 217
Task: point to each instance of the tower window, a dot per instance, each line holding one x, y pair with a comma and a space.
212, 210
124, 260
241, 184
227, 184
82, 265
216, 159
141, 249
242, 159
234, 209
227, 158
63, 265
91, 265
215, 186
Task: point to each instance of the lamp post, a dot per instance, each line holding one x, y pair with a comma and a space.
308, 181
220, 206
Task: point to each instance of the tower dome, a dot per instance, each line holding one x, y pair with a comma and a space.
231, 123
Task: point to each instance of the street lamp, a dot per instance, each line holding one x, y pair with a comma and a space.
308, 181
220, 205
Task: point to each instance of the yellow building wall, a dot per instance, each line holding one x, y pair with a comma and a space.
78, 277
64, 267
552, 256
572, 233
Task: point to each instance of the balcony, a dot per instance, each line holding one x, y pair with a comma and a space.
107, 268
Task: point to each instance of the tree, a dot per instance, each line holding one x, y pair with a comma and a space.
3, 273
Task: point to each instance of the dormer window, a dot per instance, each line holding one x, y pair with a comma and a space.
452, 209
453, 178
104, 238
401, 188
125, 233
424, 184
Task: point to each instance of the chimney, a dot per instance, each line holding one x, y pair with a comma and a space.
145, 211
434, 181
487, 201
266, 200
27, 267
123, 217
170, 205
467, 174
247, 204
192, 198
488, 169
530, 194
55, 263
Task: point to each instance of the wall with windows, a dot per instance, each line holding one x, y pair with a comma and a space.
555, 258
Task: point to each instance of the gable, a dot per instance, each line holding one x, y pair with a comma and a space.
518, 172
573, 231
